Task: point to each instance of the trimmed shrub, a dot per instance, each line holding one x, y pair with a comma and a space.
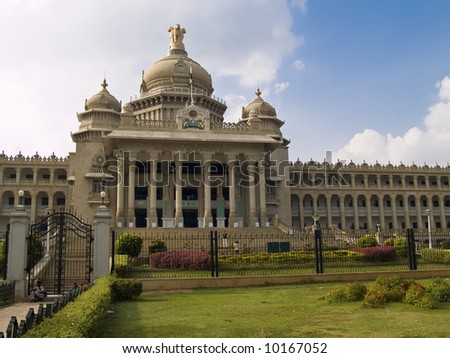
157, 245
355, 291
435, 255
401, 245
395, 286
80, 318
185, 260
378, 253
389, 241
375, 297
445, 244
129, 244
418, 295
440, 289
366, 241
349, 293
125, 289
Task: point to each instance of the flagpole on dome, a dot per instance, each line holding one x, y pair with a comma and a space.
190, 82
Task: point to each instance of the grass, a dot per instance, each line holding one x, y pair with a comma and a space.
270, 311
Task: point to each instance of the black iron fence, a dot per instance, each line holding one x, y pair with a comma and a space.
218, 253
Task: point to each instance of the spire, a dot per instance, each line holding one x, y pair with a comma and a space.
104, 84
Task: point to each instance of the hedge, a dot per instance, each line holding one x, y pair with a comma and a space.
435, 255
82, 317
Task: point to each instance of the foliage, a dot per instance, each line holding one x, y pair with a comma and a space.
401, 246
395, 286
126, 289
418, 295
290, 257
2, 256
389, 241
350, 292
375, 297
366, 241
378, 253
80, 318
188, 260
129, 244
435, 255
157, 245
440, 289
445, 244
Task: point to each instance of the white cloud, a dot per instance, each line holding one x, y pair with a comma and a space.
234, 103
299, 65
280, 87
301, 4
430, 145
59, 58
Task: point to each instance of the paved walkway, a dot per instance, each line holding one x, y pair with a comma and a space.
18, 309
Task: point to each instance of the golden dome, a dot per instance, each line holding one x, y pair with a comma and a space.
260, 106
103, 100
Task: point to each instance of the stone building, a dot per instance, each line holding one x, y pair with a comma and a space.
168, 159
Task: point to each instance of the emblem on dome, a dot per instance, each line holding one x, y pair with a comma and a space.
176, 37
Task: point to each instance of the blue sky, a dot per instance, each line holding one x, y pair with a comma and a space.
367, 80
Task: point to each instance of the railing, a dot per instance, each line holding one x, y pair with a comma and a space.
241, 253
229, 126
151, 123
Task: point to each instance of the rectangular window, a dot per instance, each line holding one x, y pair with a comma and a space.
44, 201
60, 201
11, 200
97, 186
27, 201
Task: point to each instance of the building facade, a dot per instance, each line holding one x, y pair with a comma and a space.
168, 159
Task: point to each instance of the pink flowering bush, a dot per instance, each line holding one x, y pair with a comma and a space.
378, 253
184, 260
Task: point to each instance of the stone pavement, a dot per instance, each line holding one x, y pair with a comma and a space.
18, 309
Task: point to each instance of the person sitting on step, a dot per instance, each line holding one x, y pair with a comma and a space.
38, 293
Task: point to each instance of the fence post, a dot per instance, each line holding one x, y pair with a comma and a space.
5, 247
113, 251
17, 250
216, 253
102, 232
211, 245
318, 251
412, 256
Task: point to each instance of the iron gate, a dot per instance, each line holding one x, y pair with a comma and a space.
59, 252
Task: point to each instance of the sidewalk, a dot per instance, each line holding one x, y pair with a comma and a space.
18, 309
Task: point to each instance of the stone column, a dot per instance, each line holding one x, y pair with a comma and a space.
17, 251
152, 213
120, 190
342, 212
356, 211
394, 213
252, 219
369, 212
131, 185
262, 195
329, 214
102, 240
207, 216
232, 180
178, 195
442, 211
419, 211
381, 207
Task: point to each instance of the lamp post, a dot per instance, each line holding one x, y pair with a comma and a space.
430, 245
316, 219
103, 195
21, 194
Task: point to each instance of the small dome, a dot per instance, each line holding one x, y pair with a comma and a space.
260, 106
103, 100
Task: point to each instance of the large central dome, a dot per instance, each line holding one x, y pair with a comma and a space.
176, 70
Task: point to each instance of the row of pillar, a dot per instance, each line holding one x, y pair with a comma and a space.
255, 217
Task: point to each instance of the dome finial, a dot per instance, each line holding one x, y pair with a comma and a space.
258, 92
176, 46
104, 84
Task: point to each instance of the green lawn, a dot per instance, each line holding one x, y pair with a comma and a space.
271, 311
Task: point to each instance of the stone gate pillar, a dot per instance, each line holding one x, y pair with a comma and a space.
17, 250
102, 241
